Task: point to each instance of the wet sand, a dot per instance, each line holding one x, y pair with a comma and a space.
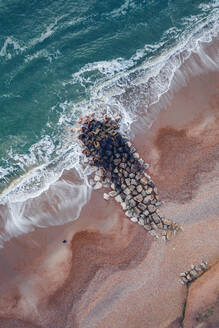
111, 273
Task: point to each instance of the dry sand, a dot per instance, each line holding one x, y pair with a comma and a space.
111, 273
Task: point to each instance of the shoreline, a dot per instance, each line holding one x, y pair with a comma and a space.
111, 272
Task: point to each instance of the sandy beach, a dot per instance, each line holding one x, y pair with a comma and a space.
110, 272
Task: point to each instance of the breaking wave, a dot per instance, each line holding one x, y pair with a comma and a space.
128, 87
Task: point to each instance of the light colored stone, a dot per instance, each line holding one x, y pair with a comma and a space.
136, 155
132, 203
160, 225
128, 181
151, 208
137, 211
139, 198
141, 206
124, 206
144, 180
169, 235
129, 144
193, 273
123, 165
156, 218
97, 178
141, 221
203, 265
112, 193
128, 214
133, 219
147, 227
99, 172
134, 182
98, 185
146, 200
168, 222
118, 199
139, 188
149, 191
127, 191
146, 213
106, 196
113, 186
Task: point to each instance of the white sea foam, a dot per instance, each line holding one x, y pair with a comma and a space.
61, 203
124, 87
9, 43
123, 9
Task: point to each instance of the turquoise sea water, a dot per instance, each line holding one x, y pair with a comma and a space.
61, 59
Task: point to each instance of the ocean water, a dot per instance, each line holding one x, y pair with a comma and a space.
62, 59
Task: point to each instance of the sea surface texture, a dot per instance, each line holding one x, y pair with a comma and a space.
62, 59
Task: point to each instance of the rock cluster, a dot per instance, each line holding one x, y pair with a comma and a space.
119, 166
193, 273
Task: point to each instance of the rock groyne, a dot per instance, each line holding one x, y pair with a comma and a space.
119, 166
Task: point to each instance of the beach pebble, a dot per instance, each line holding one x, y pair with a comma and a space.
133, 219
